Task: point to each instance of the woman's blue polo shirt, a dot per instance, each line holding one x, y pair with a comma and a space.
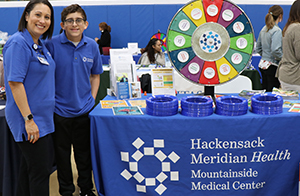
22, 63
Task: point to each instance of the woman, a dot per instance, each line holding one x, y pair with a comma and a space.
105, 38
270, 48
152, 54
29, 81
289, 67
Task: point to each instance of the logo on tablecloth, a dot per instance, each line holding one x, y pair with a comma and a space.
145, 152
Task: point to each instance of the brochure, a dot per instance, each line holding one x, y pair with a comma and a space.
122, 90
135, 90
127, 110
263, 64
140, 103
249, 93
162, 81
286, 94
290, 103
295, 108
111, 103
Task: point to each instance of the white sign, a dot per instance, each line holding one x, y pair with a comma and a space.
227, 15
224, 69
209, 73
183, 56
212, 10
238, 27
236, 58
196, 14
184, 25
162, 81
179, 41
194, 68
241, 43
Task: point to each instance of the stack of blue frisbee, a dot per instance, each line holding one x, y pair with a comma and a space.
266, 104
231, 105
196, 106
162, 105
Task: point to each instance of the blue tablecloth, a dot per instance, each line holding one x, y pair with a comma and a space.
253, 155
10, 158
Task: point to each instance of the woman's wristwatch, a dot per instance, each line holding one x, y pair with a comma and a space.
28, 117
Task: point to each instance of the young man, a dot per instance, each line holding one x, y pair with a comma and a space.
77, 79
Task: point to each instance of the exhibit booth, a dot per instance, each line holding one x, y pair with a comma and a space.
175, 155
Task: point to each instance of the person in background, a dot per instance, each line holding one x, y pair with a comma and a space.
77, 80
152, 54
289, 67
105, 38
269, 46
30, 90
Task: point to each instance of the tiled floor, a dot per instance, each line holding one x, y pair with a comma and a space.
54, 182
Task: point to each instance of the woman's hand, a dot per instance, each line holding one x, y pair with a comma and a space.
32, 131
96, 39
19, 94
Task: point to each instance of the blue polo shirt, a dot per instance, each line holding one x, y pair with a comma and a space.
21, 64
74, 65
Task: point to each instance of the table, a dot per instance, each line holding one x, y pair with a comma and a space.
104, 84
106, 58
178, 155
10, 157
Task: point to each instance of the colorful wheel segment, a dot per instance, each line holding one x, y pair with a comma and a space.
210, 42
163, 38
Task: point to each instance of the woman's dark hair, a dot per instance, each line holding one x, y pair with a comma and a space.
72, 9
29, 7
104, 26
274, 12
150, 50
294, 15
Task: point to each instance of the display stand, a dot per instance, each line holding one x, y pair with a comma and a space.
123, 80
209, 90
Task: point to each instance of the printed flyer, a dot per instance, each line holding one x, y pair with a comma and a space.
111, 103
162, 82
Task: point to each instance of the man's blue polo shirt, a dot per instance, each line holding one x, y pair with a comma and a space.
74, 65
21, 64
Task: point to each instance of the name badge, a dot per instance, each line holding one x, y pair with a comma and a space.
43, 60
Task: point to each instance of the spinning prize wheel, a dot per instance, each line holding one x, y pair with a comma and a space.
210, 41
163, 38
